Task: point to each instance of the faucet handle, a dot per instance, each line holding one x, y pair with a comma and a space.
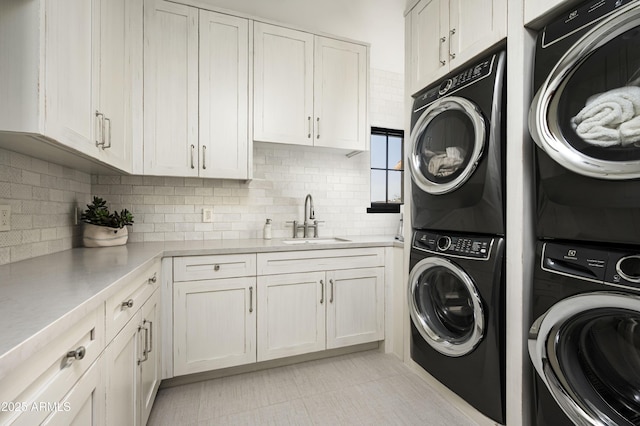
295, 227
316, 224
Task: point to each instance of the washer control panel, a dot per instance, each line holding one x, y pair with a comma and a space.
451, 244
462, 79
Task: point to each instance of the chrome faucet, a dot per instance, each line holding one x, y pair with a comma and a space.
309, 214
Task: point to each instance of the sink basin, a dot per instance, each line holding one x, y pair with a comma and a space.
315, 240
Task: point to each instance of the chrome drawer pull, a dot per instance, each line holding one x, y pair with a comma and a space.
77, 354
216, 268
153, 279
127, 304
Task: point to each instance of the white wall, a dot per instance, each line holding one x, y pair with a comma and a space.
378, 22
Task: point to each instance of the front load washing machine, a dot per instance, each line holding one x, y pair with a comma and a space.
457, 150
585, 340
456, 302
585, 121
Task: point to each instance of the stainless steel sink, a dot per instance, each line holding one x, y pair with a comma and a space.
332, 240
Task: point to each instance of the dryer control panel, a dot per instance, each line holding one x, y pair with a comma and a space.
456, 82
453, 245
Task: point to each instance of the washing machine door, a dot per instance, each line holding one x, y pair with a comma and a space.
445, 306
586, 349
586, 115
447, 142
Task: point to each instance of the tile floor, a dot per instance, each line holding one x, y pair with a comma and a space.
364, 388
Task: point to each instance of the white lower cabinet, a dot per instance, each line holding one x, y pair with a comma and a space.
355, 312
214, 324
84, 404
291, 314
61, 383
307, 312
133, 367
231, 310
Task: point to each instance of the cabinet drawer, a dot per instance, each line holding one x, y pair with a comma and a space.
194, 268
122, 306
47, 376
319, 260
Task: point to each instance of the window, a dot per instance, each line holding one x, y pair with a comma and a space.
387, 170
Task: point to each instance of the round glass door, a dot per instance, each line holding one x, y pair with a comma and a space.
586, 115
445, 306
447, 142
587, 350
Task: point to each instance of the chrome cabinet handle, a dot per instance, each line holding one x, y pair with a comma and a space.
451, 33
309, 127
100, 117
250, 299
192, 148
150, 348
331, 298
127, 304
318, 126
78, 354
321, 291
216, 267
442, 41
204, 157
107, 120
153, 279
146, 344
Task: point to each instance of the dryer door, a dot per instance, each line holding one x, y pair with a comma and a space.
586, 349
447, 142
445, 306
586, 115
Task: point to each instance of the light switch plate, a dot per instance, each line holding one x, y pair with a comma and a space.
5, 218
207, 215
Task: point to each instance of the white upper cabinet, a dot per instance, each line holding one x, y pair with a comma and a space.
170, 89
69, 114
309, 90
120, 82
340, 94
196, 92
76, 79
283, 85
447, 33
224, 97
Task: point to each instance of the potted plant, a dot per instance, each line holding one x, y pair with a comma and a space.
102, 228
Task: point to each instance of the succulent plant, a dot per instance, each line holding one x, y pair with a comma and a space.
97, 213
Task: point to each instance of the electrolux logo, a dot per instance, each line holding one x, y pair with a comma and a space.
571, 254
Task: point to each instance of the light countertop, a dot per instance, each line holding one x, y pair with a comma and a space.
41, 297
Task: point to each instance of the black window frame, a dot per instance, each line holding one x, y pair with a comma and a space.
388, 207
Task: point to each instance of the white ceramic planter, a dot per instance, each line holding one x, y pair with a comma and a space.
104, 236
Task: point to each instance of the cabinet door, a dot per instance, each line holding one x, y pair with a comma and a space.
355, 309
283, 85
291, 314
122, 376
214, 324
120, 70
151, 347
170, 89
224, 81
84, 404
340, 94
69, 55
429, 42
474, 26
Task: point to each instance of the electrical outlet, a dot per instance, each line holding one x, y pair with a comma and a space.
5, 218
207, 215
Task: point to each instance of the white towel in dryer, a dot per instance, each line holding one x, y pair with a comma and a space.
599, 122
